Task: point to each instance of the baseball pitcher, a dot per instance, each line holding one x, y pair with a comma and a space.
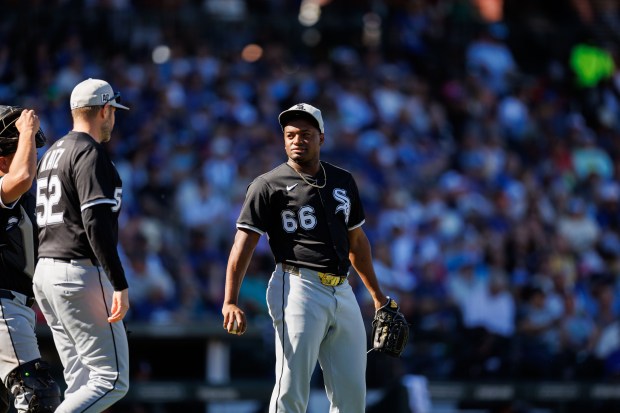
79, 282
313, 216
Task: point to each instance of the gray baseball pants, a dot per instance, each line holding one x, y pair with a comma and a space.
18, 342
75, 297
316, 322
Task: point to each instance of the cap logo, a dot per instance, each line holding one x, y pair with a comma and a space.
105, 97
300, 109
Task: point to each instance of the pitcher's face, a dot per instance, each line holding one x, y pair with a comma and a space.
302, 141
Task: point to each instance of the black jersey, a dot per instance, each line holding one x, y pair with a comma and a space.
18, 245
307, 226
76, 179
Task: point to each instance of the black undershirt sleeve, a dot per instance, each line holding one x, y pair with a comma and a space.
98, 220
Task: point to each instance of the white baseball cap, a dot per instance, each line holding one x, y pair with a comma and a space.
95, 92
302, 110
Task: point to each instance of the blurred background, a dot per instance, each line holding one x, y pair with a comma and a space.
485, 139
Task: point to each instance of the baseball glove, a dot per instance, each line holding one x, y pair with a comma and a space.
390, 330
9, 135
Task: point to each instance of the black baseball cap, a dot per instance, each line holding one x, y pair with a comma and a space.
9, 134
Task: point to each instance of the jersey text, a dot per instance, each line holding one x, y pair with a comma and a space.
50, 161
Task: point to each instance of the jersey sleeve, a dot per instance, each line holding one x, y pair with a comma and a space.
254, 215
2, 204
95, 184
357, 217
98, 220
93, 179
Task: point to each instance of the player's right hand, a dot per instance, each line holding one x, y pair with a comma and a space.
28, 123
234, 319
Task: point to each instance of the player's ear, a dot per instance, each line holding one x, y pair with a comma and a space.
104, 111
321, 138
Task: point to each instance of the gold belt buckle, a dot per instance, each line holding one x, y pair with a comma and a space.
330, 280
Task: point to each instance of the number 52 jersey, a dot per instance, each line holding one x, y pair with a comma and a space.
75, 173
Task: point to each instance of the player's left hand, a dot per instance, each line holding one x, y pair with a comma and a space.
379, 301
120, 305
390, 330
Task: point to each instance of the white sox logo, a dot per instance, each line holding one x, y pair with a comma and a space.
340, 195
11, 223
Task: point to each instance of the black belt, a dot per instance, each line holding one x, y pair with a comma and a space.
10, 296
68, 260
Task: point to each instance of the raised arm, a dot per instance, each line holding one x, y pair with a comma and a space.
21, 172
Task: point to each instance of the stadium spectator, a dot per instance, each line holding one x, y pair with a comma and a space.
538, 336
489, 315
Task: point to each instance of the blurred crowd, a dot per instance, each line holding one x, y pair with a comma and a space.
487, 154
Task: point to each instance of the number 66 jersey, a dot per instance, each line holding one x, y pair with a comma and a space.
307, 224
75, 175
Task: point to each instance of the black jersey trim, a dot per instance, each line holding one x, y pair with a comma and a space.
97, 202
357, 226
251, 228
